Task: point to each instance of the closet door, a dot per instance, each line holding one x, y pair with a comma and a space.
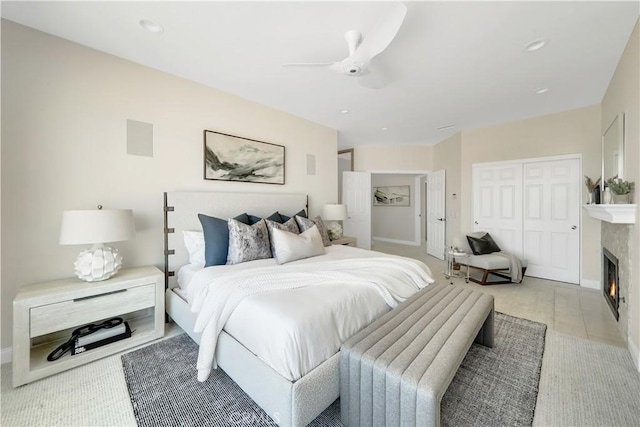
551, 224
497, 204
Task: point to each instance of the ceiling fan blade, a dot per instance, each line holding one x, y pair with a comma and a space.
309, 64
382, 34
376, 76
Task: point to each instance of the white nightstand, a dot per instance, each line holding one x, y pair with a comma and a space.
346, 241
45, 314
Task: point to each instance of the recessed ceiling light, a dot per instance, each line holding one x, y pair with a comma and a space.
446, 127
542, 90
151, 26
535, 45
385, 128
344, 111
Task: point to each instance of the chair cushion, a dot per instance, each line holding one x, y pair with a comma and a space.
491, 262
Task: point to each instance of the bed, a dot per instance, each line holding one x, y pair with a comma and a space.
292, 394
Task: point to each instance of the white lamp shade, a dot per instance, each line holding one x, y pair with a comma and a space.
96, 226
334, 212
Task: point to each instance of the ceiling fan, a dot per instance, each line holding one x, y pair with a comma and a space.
363, 49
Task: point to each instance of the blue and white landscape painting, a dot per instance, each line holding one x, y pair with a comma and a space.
231, 158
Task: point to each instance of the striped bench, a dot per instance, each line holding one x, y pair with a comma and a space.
396, 370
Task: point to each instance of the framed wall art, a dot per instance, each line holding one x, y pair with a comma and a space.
399, 195
232, 158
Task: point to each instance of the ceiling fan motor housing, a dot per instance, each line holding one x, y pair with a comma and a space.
352, 70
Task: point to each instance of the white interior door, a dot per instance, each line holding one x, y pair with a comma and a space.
497, 204
436, 213
356, 194
551, 225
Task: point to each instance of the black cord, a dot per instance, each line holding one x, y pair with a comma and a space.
82, 331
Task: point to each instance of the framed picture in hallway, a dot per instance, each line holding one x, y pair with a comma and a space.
399, 195
232, 158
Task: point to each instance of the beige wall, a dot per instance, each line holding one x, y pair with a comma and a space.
447, 155
622, 96
393, 158
394, 222
64, 112
569, 132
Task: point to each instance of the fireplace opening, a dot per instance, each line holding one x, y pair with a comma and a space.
611, 283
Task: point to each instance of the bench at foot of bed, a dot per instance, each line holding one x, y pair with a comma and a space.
396, 370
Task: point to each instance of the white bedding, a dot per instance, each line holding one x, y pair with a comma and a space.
294, 322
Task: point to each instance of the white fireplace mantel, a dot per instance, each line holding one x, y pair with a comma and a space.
616, 214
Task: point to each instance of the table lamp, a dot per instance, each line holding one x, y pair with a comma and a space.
97, 227
335, 213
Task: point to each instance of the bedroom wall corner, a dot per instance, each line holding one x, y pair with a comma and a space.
64, 113
623, 96
393, 158
447, 155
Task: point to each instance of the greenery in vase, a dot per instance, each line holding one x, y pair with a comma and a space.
620, 186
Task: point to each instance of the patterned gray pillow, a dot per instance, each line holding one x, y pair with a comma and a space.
305, 223
248, 242
291, 226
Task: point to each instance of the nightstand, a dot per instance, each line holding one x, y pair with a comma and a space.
45, 314
346, 241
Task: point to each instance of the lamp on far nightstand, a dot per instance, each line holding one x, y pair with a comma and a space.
335, 213
97, 227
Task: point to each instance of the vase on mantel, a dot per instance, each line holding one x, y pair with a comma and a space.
606, 197
621, 199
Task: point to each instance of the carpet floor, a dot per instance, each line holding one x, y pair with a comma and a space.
493, 387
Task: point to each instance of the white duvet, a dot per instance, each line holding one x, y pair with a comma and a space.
295, 316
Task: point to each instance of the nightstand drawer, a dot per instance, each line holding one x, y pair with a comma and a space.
67, 314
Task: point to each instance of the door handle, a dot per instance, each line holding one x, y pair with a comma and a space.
441, 219
475, 222
573, 227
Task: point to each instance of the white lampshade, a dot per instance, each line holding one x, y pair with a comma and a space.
334, 212
96, 226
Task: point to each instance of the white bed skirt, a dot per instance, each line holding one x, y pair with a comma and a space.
288, 403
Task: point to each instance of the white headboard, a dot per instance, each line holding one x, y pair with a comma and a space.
181, 209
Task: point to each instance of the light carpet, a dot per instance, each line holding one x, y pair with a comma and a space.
493, 387
586, 383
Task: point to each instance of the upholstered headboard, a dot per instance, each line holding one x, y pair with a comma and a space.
181, 209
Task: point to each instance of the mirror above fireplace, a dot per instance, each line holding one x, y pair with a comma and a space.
613, 149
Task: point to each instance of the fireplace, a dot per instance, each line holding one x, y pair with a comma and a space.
611, 281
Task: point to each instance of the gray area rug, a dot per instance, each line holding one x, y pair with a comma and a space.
493, 387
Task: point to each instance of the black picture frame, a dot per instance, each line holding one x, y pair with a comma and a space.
234, 158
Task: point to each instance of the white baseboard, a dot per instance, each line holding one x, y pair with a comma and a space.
635, 354
6, 355
590, 284
400, 242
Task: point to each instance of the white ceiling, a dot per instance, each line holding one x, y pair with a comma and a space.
460, 63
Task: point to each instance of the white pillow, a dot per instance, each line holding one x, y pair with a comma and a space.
194, 242
291, 247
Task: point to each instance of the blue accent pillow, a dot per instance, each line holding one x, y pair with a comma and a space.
255, 219
216, 238
285, 218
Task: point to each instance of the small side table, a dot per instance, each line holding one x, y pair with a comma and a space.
452, 254
346, 241
45, 314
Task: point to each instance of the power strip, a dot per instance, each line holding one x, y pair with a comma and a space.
101, 334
